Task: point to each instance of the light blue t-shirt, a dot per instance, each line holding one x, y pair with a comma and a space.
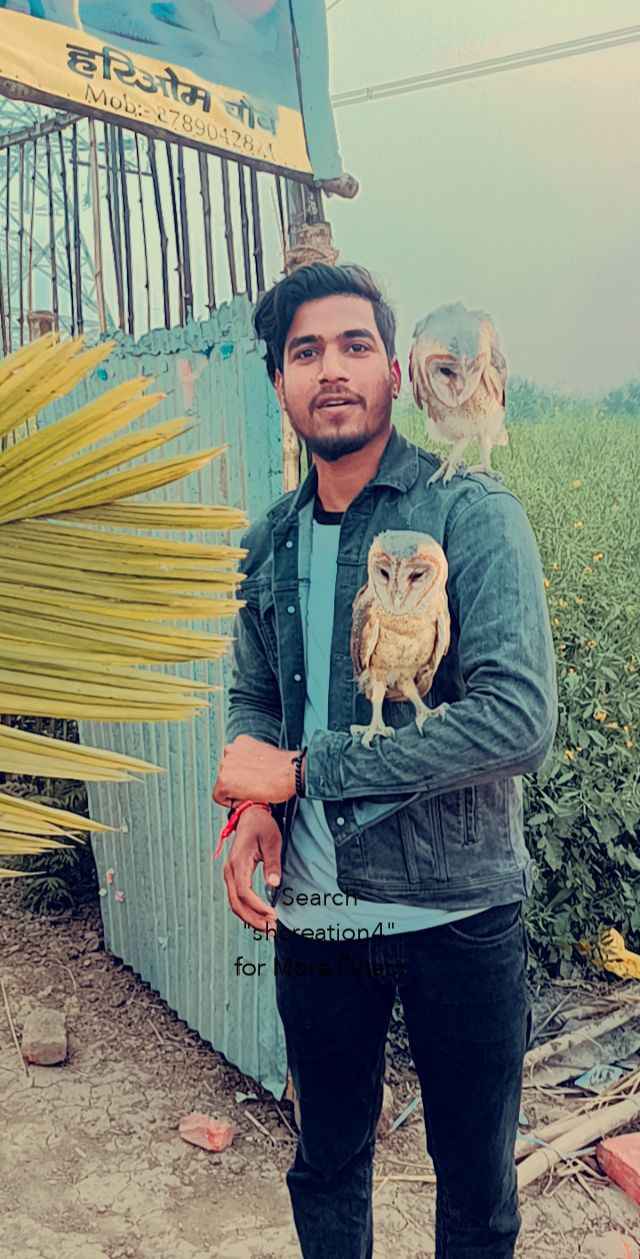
310, 864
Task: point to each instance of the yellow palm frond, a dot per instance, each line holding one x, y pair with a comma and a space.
84, 601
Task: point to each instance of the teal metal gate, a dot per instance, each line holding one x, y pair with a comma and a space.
164, 908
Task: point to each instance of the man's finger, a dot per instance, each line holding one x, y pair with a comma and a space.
243, 900
247, 916
271, 850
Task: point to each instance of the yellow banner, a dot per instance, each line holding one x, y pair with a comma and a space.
70, 68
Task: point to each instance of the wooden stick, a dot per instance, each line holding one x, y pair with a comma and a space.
176, 230
261, 1127
285, 1121
593, 1128
114, 225
162, 232
591, 1031
381, 1183
97, 227
77, 235
7, 249
126, 220
13, 1030
548, 1133
21, 244
244, 227
426, 1178
205, 193
552, 1015
31, 235
185, 242
55, 306
228, 225
617, 1091
145, 250
281, 216
3, 328
67, 230
258, 250
117, 218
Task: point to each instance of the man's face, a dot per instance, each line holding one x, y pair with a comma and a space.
337, 384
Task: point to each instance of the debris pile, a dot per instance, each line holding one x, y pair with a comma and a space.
595, 1056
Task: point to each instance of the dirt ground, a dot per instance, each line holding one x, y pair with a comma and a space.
91, 1162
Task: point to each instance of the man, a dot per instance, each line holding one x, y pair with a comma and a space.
419, 838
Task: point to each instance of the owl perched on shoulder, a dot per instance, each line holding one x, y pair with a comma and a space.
459, 377
400, 628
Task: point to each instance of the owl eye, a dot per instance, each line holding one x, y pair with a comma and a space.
384, 572
416, 576
447, 371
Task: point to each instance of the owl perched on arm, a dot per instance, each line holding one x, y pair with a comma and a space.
400, 628
459, 377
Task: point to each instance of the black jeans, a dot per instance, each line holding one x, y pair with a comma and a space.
467, 1010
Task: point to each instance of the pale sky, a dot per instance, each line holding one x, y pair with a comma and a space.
519, 193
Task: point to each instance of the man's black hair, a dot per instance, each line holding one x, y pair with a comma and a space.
275, 311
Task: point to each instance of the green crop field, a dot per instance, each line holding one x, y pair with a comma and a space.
579, 480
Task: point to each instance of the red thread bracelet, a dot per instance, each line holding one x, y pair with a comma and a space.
231, 825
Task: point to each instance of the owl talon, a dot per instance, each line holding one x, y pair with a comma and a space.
482, 467
421, 718
369, 732
445, 472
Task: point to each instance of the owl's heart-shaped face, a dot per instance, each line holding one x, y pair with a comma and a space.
453, 380
405, 568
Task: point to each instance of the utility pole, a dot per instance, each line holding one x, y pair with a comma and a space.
310, 237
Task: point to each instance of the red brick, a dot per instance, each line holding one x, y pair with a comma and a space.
619, 1157
202, 1130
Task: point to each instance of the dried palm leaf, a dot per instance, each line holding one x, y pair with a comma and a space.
62, 580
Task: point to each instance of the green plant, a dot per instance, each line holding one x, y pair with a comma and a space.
577, 479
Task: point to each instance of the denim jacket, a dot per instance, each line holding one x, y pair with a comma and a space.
432, 818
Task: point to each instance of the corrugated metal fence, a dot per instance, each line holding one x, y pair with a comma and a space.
173, 926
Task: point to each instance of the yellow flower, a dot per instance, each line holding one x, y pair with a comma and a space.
579, 599
547, 583
556, 568
587, 568
626, 727
612, 725
569, 754
556, 620
599, 715
575, 485
599, 555
571, 670
590, 643
578, 524
629, 743
562, 603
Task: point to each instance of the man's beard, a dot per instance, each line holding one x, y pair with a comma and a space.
333, 446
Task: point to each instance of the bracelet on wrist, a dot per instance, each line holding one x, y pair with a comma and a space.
299, 779
235, 813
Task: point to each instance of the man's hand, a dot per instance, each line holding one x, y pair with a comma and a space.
257, 839
252, 770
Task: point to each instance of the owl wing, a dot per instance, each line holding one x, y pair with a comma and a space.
496, 375
427, 671
365, 630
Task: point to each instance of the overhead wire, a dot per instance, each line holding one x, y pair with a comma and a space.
493, 65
